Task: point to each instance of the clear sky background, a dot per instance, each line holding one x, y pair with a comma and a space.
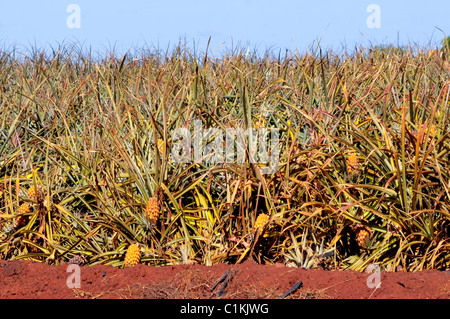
260, 24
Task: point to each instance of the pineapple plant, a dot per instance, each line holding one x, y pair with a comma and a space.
152, 209
133, 256
36, 194
261, 222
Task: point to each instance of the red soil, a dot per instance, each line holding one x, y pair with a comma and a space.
26, 279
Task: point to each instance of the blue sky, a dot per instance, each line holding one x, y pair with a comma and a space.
261, 24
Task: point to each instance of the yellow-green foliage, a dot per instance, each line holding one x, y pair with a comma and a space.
87, 130
446, 44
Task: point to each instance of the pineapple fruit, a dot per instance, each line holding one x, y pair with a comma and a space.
133, 256
424, 129
37, 193
352, 163
431, 130
260, 123
21, 218
261, 222
152, 209
19, 221
161, 145
363, 235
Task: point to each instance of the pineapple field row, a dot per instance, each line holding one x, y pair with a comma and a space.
88, 176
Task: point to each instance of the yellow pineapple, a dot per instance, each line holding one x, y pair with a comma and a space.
152, 209
133, 256
363, 235
21, 218
37, 193
23, 209
353, 163
261, 222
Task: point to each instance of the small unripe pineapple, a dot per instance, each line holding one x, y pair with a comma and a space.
363, 235
152, 209
261, 222
260, 123
133, 256
9, 227
431, 130
353, 163
37, 193
319, 116
425, 129
161, 144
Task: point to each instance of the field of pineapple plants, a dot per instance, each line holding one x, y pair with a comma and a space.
87, 172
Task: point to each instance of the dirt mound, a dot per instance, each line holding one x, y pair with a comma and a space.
27, 279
